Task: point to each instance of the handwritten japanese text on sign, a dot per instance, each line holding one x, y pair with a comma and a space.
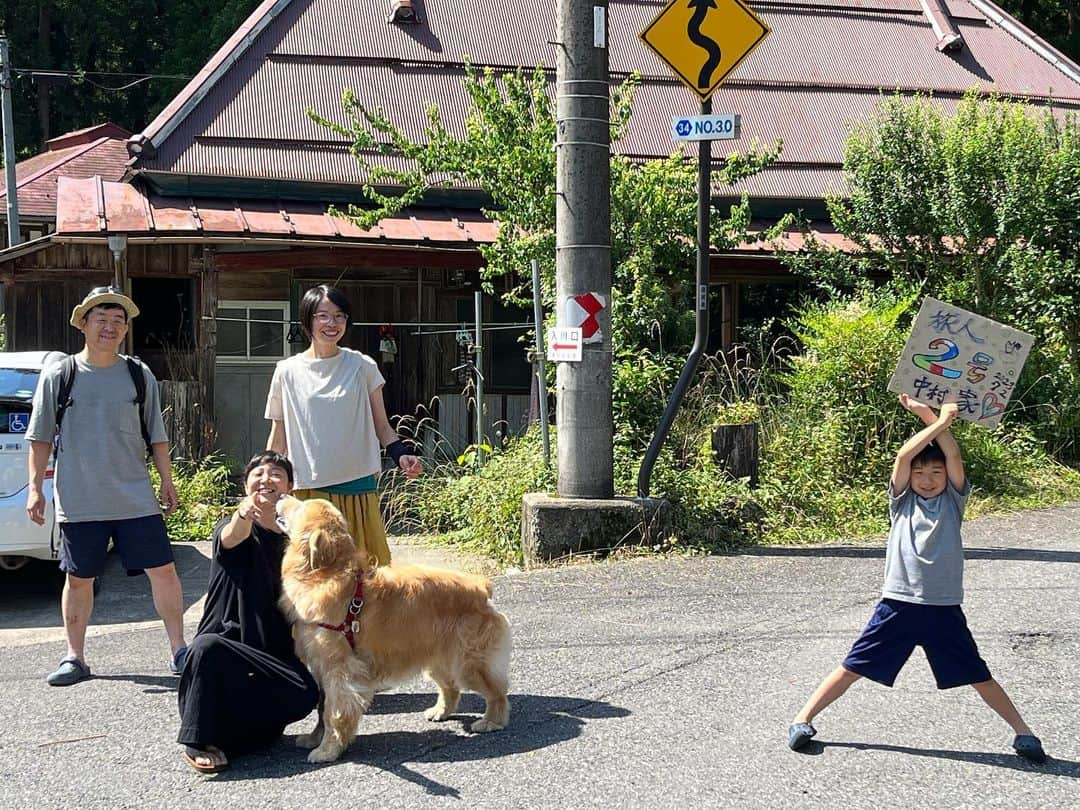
953, 355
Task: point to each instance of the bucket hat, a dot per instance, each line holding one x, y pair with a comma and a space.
103, 295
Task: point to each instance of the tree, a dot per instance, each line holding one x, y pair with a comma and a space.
93, 37
506, 151
1057, 21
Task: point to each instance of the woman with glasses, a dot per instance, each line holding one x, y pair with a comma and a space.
327, 415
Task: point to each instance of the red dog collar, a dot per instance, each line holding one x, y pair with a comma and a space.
351, 626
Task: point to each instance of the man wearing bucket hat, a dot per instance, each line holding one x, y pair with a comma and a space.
109, 416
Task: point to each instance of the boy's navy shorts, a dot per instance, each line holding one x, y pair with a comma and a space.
896, 628
142, 543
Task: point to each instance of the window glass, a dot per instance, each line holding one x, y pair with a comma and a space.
510, 370
17, 383
231, 332
267, 339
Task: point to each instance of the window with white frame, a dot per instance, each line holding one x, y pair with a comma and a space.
252, 331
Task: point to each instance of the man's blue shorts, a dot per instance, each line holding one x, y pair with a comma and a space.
896, 628
142, 542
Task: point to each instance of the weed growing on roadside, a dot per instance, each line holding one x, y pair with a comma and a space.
201, 487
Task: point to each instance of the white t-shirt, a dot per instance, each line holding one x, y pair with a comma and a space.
325, 404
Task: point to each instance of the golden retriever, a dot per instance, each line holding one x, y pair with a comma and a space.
413, 619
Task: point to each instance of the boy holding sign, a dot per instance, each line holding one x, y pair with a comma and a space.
920, 604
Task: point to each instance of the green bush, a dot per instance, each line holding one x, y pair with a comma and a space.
479, 507
201, 488
829, 446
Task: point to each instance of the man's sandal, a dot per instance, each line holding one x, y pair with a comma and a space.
206, 760
70, 671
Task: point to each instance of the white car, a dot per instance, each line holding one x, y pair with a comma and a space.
20, 538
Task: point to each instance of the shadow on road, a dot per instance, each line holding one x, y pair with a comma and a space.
537, 721
157, 684
1055, 767
30, 597
1022, 554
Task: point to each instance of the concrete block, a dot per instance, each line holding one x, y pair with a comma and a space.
553, 527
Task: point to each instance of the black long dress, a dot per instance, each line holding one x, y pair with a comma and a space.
242, 683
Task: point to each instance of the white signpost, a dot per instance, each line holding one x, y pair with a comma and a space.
564, 344
705, 127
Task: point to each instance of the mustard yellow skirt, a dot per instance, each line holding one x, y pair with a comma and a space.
364, 518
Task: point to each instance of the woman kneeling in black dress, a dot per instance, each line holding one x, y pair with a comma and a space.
242, 682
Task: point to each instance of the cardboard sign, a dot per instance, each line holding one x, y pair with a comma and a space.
953, 355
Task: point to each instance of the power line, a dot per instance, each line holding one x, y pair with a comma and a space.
81, 76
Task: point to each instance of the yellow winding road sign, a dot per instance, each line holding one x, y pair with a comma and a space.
702, 41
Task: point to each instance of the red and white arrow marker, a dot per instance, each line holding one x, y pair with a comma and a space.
581, 311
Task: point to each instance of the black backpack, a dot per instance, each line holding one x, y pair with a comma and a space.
67, 380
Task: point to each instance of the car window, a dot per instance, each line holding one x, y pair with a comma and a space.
18, 383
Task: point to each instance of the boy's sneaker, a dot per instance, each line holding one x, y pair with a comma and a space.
799, 735
1030, 748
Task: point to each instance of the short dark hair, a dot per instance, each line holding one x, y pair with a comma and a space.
312, 299
106, 306
269, 457
930, 454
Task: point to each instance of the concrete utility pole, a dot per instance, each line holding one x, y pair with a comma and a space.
583, 245
9, 145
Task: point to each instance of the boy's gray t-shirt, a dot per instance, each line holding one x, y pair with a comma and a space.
924, 559
101, 469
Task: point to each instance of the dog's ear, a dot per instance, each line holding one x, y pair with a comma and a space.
320, 549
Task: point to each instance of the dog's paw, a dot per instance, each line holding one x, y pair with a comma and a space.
436, 714
309, 741
323, 754
483, 724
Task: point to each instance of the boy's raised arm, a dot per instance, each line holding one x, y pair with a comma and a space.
954, 460
901, 474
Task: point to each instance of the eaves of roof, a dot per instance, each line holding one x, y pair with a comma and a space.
93, 209
25, 248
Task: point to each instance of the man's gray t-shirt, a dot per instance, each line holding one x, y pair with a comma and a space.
924, 559
101, 465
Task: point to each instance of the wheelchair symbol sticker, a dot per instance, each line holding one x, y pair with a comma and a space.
18, 422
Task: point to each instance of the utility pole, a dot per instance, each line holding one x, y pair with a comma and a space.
583, 245
9, 145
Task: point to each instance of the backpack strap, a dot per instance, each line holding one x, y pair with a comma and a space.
135, 370
63, 396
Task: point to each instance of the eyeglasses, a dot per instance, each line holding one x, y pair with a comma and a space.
336, 317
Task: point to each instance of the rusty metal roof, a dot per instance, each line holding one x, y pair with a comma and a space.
825, 65
94, 208
97, 150
90, 209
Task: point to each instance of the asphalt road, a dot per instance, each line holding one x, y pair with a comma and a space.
641, 683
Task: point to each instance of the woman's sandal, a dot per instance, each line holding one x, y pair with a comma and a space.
206, 760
